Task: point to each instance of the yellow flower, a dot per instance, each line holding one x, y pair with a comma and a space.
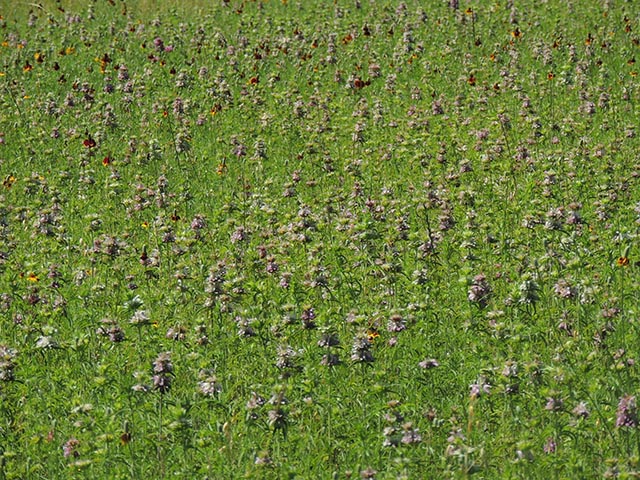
8, 181
622, 261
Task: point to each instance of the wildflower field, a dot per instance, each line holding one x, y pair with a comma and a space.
319, 240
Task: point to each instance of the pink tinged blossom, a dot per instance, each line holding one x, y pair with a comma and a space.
581, 410
69, 449
429, 363
550, 446
478, 389
627, 413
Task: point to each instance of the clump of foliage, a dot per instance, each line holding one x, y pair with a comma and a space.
280, 239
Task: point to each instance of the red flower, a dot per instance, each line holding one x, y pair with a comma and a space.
89, 142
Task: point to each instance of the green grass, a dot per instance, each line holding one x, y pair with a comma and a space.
443, 202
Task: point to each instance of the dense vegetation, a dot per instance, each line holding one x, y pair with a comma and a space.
347, 239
